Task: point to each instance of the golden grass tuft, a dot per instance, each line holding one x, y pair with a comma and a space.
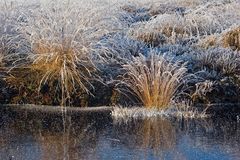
160, 36
154, 80
152, 38
208, 41
61, 64
227, 39
232, 39
56, 47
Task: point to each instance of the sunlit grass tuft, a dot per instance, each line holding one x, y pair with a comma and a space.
70, 70
232, 39
58, 51
154, 80
229, 38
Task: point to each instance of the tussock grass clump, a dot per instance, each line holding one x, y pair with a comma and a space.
154, 80
226, 13
135, 12
208, 41
232, 39
164, 28
59, 43
64, 66
202, 88
174, 28
229, 38
153, 38
225, 61
183, 23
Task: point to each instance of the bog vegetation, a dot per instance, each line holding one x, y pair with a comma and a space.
151, 53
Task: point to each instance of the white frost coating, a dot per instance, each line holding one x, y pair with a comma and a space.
126, 114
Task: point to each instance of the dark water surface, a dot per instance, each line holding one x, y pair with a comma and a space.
41, 136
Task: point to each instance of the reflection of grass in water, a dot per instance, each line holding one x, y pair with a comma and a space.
150, 136
158, 134
66, 144
53, 138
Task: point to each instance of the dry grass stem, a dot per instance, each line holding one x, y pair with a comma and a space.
154, 79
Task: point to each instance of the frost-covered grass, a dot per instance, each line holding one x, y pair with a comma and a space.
56, 43
229, 38
225, 61
7, 12
59, 38
133, 113
152, 44
154, 79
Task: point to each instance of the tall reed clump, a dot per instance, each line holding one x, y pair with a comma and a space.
59, 39
154, 79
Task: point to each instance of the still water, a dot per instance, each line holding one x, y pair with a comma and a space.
41, 136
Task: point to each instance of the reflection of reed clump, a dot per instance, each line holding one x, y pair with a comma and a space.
62, 145
154, 136
69, 143
52, 136
158, 134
